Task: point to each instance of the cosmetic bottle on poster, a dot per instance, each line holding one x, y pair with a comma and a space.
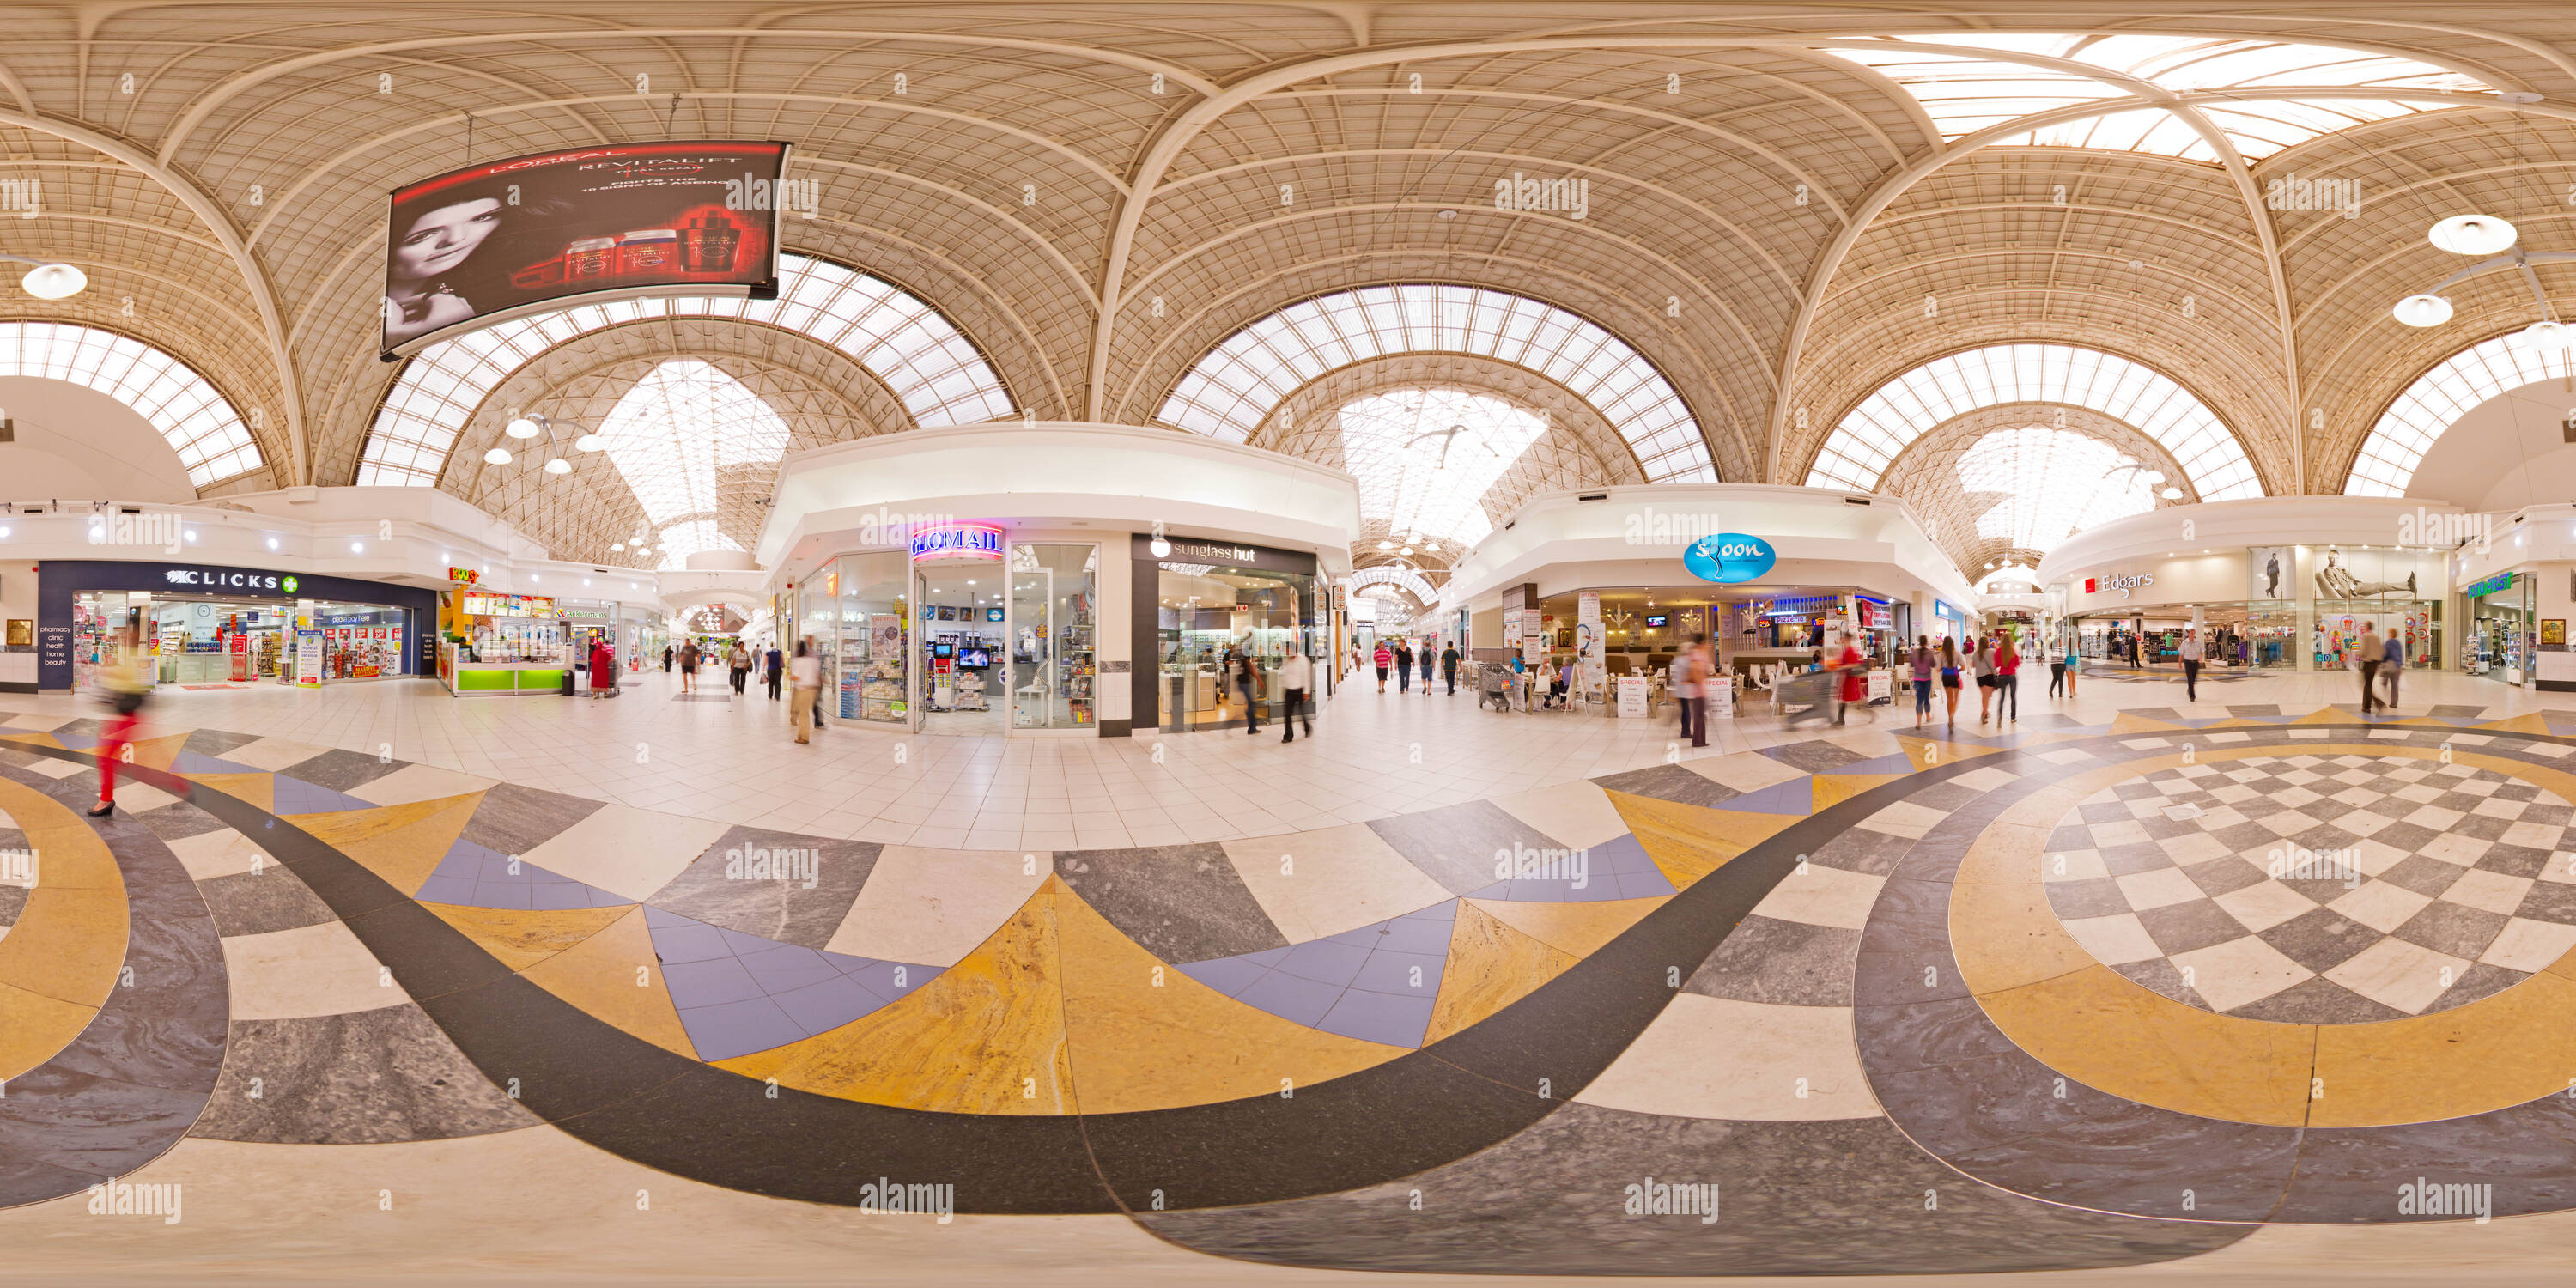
648, 252
708, 243
590, 259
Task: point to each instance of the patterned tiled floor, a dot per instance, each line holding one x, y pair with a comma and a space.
1444, 1032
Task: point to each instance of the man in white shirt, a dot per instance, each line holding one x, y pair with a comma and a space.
2190, 665
1296, 675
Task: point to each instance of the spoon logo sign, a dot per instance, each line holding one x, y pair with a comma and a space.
1729, 557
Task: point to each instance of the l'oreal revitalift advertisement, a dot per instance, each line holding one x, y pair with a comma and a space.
508, 238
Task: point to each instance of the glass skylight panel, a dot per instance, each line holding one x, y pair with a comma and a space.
190, 414
849, 311
1425, 458
1856, 456
1965, 93
1228, 392
2054, 483
2438, 399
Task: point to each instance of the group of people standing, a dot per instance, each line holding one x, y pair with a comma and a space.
1402, 656
1993, 662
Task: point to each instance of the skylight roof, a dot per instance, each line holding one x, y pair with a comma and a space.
676, 435
1425, 457
194, 418
1857, 454
1228, 392
2054, 482
939, 375
2437, 400
1965, 93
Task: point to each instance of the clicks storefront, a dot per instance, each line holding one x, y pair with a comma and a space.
218, 627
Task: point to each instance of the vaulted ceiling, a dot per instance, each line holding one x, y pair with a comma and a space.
1787, 205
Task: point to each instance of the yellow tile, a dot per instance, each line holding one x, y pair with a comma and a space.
615, 976
2110, 1034
401, 843
2005, 854
1142, 1044
2529, 722
1689, 841
1834, 789
521, 938
68, 944
256, 789
1927, 753
34, 739
1490, 967
35, 1028
2006, 936
2126, 723
985, 1037
1577, 928
2514, 1046
160, 752
2322, 715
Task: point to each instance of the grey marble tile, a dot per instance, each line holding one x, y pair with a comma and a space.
1183, 903
180, 819
2480, 980
1876, 854
772, 908
2317, 1000
341, 770
1455, 845
2526, 1155
1815, 757
255, 903
2160, 975
1785, 963
364, 1078
1670, 783
87, 1123
514, 819
1794, 1198
13, 901
215, 742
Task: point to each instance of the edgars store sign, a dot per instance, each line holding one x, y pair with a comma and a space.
1729, 557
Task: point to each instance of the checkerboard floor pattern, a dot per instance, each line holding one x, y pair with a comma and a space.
2319, 889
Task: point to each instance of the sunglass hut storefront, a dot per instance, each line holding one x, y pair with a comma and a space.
212, 625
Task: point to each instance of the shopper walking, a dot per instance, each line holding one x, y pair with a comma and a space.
126, 692
2368, 656
2190, 653
1449, 668
2056, 676
1703, 657
689, 666
1681, 680
1950, 677
1981, 664
1850, 684
805, 682
1384, 658
737, 665
777, 664
2007, 678
1403, 667
2074, 662
1247, 677
666, 659
1922, 667
1296, 678
2392, 661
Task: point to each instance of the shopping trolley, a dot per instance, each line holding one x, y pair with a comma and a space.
1804, 699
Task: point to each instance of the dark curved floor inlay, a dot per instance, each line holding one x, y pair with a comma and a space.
129, 1087
1954, 1083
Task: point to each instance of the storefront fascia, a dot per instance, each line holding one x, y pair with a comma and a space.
61, 581
1056, 484
2183, 589
2536, 546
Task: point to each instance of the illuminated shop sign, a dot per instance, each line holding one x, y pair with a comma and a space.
1729, 557
2123, 583
484, 603
958, 541
229, 579
2478, 589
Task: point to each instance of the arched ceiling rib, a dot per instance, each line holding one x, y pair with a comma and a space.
1765, 233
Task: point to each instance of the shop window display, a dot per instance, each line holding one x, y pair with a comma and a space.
872, 615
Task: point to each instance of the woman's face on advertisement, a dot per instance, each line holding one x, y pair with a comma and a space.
441, 239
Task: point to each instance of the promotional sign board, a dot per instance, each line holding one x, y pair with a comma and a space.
523, 235
308, 659
1632, 695
1719, 693
1589, 641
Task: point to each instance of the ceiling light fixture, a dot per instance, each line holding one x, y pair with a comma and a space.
558, 466
497, 456
522, 427
2488, 236
53, 281
2423, 310
2471, 235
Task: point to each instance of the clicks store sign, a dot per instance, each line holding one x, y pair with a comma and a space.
229, 579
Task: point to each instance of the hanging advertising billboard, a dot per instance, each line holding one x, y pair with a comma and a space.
524, 235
